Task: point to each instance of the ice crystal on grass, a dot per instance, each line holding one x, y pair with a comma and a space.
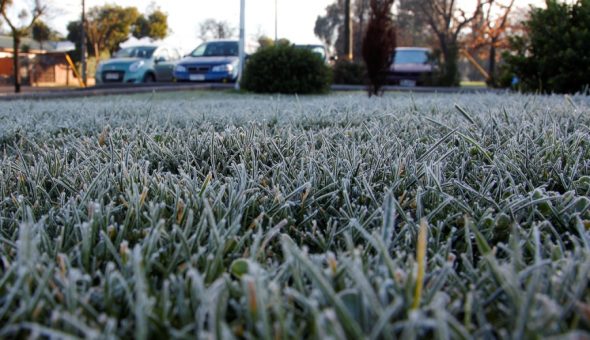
218, 215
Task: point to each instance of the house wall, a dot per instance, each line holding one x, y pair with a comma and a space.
5, 67
51, 71
55, 74
63, 74
43, 75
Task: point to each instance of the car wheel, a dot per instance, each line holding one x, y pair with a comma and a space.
149, 78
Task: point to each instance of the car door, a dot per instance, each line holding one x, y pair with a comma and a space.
175, 57
164, 65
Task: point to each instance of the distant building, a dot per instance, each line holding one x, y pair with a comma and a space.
41, 64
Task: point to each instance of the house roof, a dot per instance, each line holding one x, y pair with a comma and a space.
35, 47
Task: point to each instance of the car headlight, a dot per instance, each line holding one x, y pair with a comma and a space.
136, 66
223, 68
180, 69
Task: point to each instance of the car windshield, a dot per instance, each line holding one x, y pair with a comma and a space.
411, 57
136, 52
319, 50
315, 49
217, 49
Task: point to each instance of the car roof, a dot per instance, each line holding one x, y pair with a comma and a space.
309, 45
155, 46
221, 40
413, 49
142, 46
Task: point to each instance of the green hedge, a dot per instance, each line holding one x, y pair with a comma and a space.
554, 56
350, 73
286, 69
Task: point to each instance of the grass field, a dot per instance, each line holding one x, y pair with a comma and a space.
220, 215
473, 84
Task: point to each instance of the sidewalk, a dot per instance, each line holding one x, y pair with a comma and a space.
8, 90
42, 93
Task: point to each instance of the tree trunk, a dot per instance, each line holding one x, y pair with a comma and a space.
444, 50
16, 64
360, 33
492, 64
449, 51
347, 30
96, 53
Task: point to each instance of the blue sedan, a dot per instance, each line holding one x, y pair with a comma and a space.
214, 61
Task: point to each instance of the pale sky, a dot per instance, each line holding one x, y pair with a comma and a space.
296, 18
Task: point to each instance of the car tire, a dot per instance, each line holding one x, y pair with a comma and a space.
149, 78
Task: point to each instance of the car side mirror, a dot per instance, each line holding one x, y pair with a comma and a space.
159, 60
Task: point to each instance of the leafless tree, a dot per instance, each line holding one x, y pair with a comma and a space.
447, 21
488, 32
213, 29
19, 28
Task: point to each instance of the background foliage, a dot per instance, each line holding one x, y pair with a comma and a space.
347, 72
109, 25
554, 55
379, 44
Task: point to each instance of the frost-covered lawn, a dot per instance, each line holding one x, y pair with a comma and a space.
222, 215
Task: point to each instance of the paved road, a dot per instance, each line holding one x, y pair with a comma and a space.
52, 93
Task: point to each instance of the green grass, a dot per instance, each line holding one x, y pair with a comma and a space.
473, 84
225, 216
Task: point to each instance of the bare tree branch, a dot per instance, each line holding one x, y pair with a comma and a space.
19, 32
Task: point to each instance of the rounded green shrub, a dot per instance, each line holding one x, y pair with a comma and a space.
286, 69
554, 55
349, 73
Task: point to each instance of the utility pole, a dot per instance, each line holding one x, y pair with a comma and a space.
83, 39
276, 23
242, 42
347, 30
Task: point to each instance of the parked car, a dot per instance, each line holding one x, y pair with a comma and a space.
320, 50
138, 64
212, 61
411, 66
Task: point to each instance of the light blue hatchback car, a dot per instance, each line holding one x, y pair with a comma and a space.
138, 64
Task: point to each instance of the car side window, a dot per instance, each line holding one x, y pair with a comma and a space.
174, 55
163, 55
